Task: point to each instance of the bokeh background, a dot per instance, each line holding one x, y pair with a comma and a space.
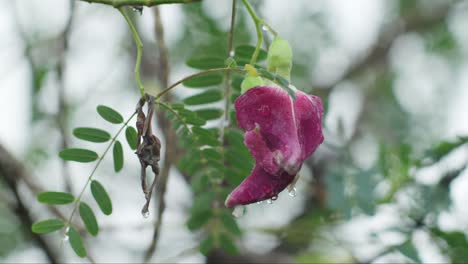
389, 184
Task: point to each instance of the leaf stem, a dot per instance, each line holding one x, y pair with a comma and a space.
90, 177
227, 79
148, 3
139, 45
163, 92
258, 27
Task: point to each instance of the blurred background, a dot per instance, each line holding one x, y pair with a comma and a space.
387, 186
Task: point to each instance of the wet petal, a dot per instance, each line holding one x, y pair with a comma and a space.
308, 111
272, 111
259, 186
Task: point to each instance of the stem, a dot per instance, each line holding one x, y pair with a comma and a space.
258, 23
139, 46
90, 177
227, 80
148, 3
163, 92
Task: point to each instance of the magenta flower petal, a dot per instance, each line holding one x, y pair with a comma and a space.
271, 111
309, 111
280, 135
259, 186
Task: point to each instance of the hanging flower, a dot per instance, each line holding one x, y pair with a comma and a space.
280, 134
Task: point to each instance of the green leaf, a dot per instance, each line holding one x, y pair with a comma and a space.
205, 136
110, 114
91, 134
203, 202
284, 83
409, 251
230, 224
207, 244
101, 197
89, 219
132, 137
246, 51
76, 242
210, 113
205, 63
47, 226
78, 155
118, 156
209, 96
227, 244
204, 80
55, 198
198, 220
191, 117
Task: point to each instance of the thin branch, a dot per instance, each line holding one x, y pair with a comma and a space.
163, 92
139, 46
148, 3
11, 171
410, 23
170, 154
227, 79
62, 114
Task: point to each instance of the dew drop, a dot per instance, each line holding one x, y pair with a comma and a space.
269, 201
145, 214
264, 28
259, 202
67, 230
65, 238
232, 53
138, 9
274, 198
238, 211
292, 192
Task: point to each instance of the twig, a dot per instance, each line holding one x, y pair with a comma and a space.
170, 154
148, 3
227, 79
412, 22
139, 46
11, 171
62, 114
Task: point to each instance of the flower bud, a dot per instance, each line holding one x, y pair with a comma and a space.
280, 56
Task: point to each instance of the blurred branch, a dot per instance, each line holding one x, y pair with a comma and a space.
170, 154
148, 3
416, 21
218, 257
11, 171
62, 115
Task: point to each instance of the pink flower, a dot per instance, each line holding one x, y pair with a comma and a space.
280, 134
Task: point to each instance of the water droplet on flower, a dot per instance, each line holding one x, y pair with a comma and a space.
269, 201
292, 192
145, 214
138, 9
274, 198
232, 53
259, 202
238, 211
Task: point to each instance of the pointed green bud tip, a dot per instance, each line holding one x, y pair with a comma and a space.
251, 81
280, 57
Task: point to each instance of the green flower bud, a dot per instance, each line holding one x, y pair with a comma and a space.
251, 82
280, 56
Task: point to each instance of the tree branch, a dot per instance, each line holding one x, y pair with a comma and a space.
148, 3
170, 154
409, 23
11, 171
62, 114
